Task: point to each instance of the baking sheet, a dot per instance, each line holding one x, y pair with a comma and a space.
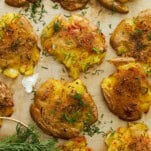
108, 21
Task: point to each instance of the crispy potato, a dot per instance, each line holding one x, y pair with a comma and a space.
127, 91
132, 38
72, 5
18, 3
134, 137
75, 144
115, 5
63, 109
18, 46
6, 101
75, 42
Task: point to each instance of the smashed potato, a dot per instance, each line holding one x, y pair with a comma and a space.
115, 5
63, 109
6, 101
75, 42
72, 4
134, 137
18, 46
18, 3
75, 144
127, 91
132, 38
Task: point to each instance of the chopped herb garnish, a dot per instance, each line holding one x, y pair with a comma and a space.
44, 67
102, 115
67, 16
27, 139
67, 56
88, 118
137, 33
45, 53
149, 37
77, 96
71, 119
98, 25
34, 11
91, 130
97, 72
83, 13
96, 50
55, 6
110, 26
56, 26
69, 42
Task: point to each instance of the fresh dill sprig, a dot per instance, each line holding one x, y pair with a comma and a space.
27, 139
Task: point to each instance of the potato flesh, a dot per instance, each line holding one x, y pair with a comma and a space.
132, 38
58, 112
6, 101
18, 46
77, 144
134, 137
127, 92
74, 44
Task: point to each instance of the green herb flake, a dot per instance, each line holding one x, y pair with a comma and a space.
71, 119
44, 67
77, 96
67, 16
55, 6
34, 11
91, 130
102, 115
97, 72
138, 32
83, 13
110, 26
149, 36
96, 50
56, 26
98, 25
69, 42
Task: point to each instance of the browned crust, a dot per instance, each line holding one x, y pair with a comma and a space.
135, 37
66, 132
18, 3
6, 101
52, 124
117, 6
112, 108
72, 5
123, 100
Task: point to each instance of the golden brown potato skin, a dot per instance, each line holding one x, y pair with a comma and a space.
62, 109
6, 101
18, 3
132, 38
18, 46
75, 42
127, 92
72, 5
115, 5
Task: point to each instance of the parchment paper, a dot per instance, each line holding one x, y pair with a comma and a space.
108, 21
